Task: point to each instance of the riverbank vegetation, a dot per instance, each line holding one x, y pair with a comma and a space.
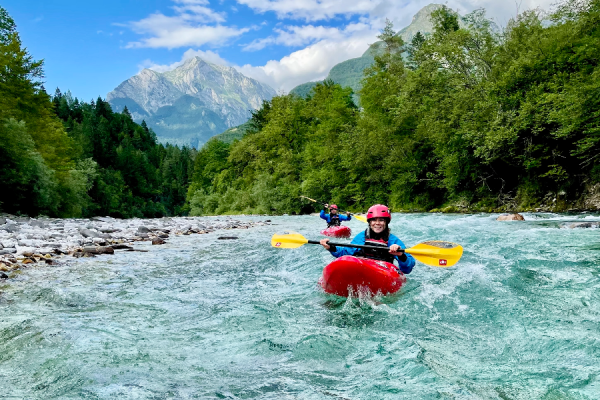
469, 119
63, 157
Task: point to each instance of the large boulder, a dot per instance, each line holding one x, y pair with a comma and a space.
510, 217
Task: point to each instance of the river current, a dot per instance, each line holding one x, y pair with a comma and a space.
200, 318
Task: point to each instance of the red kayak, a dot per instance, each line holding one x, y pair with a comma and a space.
337, 232
349, 273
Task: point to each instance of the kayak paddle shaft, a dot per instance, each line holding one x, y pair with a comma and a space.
358, 246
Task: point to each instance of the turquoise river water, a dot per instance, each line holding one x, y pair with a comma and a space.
201, 318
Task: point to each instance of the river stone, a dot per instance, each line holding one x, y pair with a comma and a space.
86, 233
9, 242
3, 276
22, 250
121, 246
109, 230
99, 241
158, 241
103, 219
99, 250
1, 246
29, 243
10, 228
143, 229
2, 220
39, 224
8, 250
583, 225
510, 217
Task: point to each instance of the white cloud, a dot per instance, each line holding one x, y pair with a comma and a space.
400, 11
312, 10
209, 56
302, 36
194, 24
311, 63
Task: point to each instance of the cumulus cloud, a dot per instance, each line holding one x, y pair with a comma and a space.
295, 36
400, 11
208, 56
194, 24
312, 10
311, 63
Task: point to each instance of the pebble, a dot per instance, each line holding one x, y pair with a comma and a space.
26, 240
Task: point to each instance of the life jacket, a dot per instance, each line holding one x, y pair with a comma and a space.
376, 254
334, 220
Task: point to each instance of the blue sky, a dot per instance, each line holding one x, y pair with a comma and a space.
91, 47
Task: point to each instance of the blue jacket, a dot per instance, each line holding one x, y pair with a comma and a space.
405, 266
326, 217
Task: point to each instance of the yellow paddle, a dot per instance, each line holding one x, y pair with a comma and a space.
358, 217
434, 253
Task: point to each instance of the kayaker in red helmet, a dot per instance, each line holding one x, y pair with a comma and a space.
334, 217
377, 234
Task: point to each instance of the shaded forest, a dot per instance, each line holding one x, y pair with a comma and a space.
62, 157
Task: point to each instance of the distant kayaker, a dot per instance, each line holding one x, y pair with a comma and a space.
377, 234
334, 217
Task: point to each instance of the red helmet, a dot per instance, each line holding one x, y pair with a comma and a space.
379, 210
333, 207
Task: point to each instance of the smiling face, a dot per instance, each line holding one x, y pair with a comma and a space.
378, 224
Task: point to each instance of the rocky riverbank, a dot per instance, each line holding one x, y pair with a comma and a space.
26, 240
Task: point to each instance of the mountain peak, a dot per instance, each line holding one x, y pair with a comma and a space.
194, 61
192, 102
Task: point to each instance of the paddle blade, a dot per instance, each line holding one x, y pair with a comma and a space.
308, 198
289, 240
360, 218
437, 253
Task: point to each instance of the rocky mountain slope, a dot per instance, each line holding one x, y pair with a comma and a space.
191, 103
350, 72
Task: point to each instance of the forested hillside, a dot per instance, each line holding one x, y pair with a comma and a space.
473, 120
60, 157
